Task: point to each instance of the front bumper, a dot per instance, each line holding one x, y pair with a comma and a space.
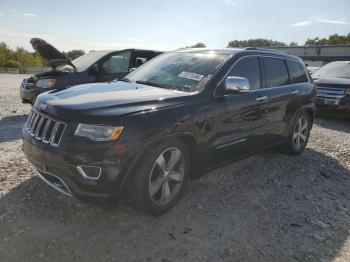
29, 95
333, 104
53, 181
58, 168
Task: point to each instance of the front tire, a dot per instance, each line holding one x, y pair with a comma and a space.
160, 178
299, 137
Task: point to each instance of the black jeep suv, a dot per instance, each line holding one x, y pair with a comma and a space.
175, 117
95, 66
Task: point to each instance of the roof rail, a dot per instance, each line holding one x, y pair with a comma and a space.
265, 49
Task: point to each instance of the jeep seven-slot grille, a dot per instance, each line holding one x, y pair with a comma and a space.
44, 128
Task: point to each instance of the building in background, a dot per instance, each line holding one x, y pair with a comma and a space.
316, 56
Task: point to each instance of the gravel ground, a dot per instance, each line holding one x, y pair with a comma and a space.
268, 207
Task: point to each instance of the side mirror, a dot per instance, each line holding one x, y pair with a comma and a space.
235, 84
132, 69
95, 68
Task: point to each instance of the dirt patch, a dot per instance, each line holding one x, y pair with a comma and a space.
268, 207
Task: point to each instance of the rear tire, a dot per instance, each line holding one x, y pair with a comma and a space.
299, 136
160, 178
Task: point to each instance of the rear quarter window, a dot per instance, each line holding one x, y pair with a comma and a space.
296, 72
276, 73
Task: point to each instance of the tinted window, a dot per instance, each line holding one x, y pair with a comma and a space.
249, 68
276, 73
84, 61
297, 73
117, 63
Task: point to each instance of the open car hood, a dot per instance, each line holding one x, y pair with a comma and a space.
51, 54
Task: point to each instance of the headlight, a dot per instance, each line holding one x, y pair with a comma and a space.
46, 83
99, 133
347, 91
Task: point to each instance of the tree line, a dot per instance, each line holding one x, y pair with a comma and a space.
331, 40
334, 39
21, 58
18, 58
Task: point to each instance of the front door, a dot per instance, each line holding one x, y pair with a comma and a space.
241, 119
115, 66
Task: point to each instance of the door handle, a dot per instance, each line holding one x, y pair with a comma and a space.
294, 92
262, 98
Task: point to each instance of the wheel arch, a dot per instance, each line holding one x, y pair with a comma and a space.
311, 112
187, 138
309, 109
192, 146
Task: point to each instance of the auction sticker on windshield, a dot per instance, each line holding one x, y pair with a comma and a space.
192, 76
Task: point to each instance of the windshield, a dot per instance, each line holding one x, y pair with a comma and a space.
335, 69
84, 61
178, 70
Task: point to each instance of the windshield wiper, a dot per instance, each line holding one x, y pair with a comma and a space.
125, 79
67, 69
150, 83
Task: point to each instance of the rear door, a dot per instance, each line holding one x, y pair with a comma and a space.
280, 93
299, 83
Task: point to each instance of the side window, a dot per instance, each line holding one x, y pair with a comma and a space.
276, 73
297, 73
116, 63
248, 67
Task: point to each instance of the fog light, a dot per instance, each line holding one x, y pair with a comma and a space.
89, 172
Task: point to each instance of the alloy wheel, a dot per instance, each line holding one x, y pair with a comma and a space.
167, 176
301, 132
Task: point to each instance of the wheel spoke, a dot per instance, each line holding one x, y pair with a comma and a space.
300, 121
174, 158
298, 141
161, 163
155, 186
176, 176
295, 135
304, 126
165, 192
302, 137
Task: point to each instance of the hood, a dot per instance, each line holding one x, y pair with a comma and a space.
51, 54
332, 82
107, 99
